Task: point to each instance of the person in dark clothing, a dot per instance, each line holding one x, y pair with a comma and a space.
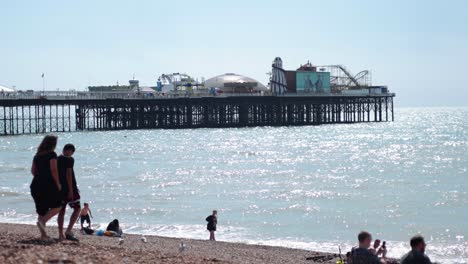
362, 254
212, 222
114, 227
70, 192
45, 186
416, 255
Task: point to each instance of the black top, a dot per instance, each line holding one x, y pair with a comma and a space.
415, 257
363, 256
113, 226
42, 179
212, 222
64, 163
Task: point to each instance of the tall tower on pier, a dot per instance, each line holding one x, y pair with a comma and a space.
278, 79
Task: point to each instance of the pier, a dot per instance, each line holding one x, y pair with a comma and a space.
67, 113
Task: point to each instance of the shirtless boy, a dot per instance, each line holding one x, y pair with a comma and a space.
85, 214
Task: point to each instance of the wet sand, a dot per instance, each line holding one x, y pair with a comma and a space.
20, 244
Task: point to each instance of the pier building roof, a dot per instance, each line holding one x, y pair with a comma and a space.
235, 83
6, 89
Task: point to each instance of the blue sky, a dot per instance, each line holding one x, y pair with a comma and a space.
418, 48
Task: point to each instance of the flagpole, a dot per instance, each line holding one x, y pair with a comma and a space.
43, 84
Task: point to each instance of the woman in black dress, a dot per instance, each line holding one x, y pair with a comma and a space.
45, 186
212, 222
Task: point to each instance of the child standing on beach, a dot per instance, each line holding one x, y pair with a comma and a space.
85, 214
70, 192
212, 222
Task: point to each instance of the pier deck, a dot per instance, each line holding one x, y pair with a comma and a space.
73, 113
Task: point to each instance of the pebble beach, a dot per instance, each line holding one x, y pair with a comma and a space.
19, 243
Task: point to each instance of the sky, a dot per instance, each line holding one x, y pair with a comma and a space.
419, 49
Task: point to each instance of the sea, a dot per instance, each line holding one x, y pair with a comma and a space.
308, 187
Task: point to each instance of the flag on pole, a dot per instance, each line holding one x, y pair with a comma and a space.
42, 75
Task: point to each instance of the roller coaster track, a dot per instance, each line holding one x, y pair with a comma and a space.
170, 78
361, 75
352, 79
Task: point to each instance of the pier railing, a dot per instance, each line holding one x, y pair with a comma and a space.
81, 95
51, 95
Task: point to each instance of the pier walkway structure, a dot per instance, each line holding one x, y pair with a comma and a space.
52, 112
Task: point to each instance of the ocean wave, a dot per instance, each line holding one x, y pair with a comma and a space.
444, 253
9, 194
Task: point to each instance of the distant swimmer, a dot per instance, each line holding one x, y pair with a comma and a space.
212, 222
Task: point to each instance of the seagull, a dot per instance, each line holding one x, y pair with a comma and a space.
121, 240
182, 247
143, 239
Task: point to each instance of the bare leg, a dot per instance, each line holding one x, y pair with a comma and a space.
41, 226
73, 218
52, 212
42, 220
60, 220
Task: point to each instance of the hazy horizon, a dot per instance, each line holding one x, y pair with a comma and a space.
418, 49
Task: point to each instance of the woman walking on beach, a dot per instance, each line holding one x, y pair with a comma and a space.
45, 186
212, 222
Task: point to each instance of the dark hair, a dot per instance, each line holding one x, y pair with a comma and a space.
69, 146
47, 145
363, 236
416, 240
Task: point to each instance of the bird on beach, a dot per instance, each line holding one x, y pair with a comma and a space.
182, 247
121, 241
143, 239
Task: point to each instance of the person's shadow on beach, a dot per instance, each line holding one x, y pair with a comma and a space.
321, 258
38, 242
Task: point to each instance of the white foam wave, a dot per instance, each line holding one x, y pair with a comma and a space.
451, 254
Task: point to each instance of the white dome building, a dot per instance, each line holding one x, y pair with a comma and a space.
235, 83
6, 89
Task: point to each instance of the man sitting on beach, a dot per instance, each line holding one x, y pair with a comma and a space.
416, 255
362, 254
70, 191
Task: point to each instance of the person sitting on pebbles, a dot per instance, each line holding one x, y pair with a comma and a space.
378, 249
114, 229
362, 254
